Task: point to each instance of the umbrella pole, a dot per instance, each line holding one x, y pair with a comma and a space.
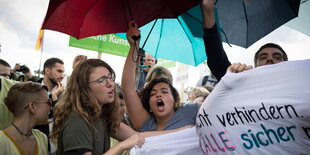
148, 35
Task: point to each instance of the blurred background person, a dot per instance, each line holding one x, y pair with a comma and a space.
22, 73
197, 95
147, 62
5, 69
53, 72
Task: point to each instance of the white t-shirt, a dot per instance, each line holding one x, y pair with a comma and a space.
261, 111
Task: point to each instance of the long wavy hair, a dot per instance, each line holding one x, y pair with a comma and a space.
145, 94
78, 97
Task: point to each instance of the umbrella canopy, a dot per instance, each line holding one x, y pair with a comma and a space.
171, 39
246, 21
84, 18
302, 22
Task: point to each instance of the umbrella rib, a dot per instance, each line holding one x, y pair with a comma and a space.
160, 34
247, 23
196, 19
149, 33
184, 30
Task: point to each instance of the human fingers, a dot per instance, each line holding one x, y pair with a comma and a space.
241, 68
132, 31
140, 140
234, 67
248, 67
61, 86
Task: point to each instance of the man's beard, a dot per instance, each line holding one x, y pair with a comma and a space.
53, 81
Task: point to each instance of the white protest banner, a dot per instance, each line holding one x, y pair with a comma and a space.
262, 111
184, 142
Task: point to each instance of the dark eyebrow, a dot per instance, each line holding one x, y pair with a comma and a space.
163, 88
262, 54
277, 54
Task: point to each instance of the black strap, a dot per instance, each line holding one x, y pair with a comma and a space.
204, 81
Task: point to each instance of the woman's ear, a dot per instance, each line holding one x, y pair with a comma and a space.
32, 107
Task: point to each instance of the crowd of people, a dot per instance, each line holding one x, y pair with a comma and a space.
42, 116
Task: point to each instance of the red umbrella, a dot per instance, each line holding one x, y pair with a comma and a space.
84, 18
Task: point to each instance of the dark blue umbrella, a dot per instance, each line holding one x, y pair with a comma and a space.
245, 21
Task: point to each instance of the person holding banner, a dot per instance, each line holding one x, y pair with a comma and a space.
86, 115
157, 107
218, 62
252, 112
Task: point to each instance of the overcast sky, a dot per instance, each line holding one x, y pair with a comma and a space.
20, 22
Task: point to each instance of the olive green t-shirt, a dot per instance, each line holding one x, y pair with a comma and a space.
77, 134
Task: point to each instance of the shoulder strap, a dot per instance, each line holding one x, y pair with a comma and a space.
205, 79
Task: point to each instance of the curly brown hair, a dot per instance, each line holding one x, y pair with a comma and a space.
145, 93
79, 98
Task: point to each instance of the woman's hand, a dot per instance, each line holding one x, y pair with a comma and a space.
136, 139
132, 31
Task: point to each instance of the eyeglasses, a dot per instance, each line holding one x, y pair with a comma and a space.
49, 102
103, 79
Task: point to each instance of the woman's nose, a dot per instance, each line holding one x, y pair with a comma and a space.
110, 82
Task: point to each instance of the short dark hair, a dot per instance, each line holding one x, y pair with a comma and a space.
50, 63
270, 45
145, 93
22, 93
4, 63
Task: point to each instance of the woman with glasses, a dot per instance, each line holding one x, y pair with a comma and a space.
87, 114
30, 106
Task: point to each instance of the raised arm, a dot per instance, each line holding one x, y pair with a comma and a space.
217, 59
137, 113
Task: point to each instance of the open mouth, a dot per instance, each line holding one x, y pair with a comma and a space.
111, 92
160, 105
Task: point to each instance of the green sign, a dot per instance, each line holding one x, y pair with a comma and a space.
108, 43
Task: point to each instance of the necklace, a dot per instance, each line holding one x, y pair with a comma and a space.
25, 134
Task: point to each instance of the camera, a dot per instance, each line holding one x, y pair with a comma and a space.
23, 69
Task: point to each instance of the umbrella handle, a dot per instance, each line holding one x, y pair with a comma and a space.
135, 37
